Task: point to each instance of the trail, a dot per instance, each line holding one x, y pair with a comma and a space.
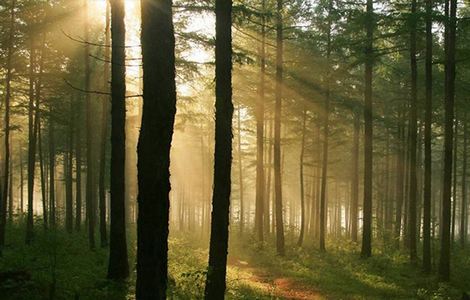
278, 287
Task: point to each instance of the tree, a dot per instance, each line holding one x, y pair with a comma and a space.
413, 134
277, 131
4, 187
90, 166
449, 95
118, 267
427, 143
260, 176
159, 95
326, 134
215, 282
366, 250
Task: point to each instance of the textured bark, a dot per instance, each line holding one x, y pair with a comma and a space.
5, 187
412, 225
240, 171
68, 174
260, 209
118, 267
463, 208
427, 143
159, 94
277, 131
449, 94
42, 171
366, 250
90, 163
355, 176
104, 133
216, 281
31, 146
52, 200
301, 178
326, 136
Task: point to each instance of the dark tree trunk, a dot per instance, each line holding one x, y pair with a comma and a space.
449, 94
90, 166
78, 166
215, 283
301, 178
366, 250
400, 181
463, 210
412, 225
118, 267
260, 209
104, 135
158, 47
326, 136
68, 157
7, 169
45, 214
454, 178
355, 176
31, 146
277, 131
240, 171
427, 144
52, 202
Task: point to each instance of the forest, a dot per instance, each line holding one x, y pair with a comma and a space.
234, 149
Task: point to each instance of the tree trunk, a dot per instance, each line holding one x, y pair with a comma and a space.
260, 210
158, 47
90, 166
68, 157
463, 210
301, 170
277, 131
45, 214
412, 225
31, 146
52, 200
7, 169
118, 267
215, 283
240, 171
366, 250
104, 135
428, 143
326, 133
355, 176
78, 166
449, 94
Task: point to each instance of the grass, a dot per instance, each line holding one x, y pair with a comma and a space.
60, 266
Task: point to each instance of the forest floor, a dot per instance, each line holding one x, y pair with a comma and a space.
60, 266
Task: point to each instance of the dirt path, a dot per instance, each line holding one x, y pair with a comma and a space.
277, 287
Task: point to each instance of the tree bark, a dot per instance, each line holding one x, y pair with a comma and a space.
302, 192
215, 283
463, 210
158, 53
412, 225
7, 165
449, 94
427, 143
260, 209
355, 176
366, 250
118, 267
240, 171
277, 131
104, 135
90, 166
